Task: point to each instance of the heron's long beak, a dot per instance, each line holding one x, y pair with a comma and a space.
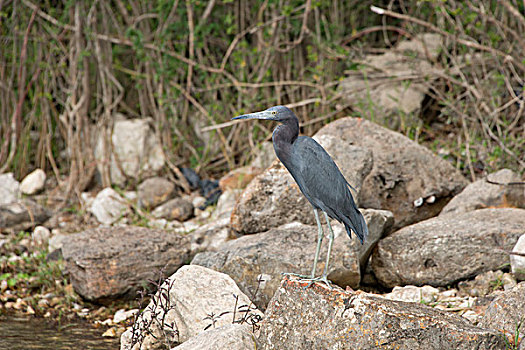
258, 115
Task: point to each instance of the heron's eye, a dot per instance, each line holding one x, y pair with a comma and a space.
274, 112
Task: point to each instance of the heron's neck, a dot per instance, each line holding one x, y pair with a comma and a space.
284, 136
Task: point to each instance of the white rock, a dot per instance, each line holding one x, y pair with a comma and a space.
41, 235
131, 195
136, 147
108, 206
472, 316
449, 293
413, 294
3, 285
517, 262
186, 226
33, 182
9, 189
199, 298
123, 315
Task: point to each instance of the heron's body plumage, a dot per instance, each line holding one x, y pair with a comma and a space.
320, 180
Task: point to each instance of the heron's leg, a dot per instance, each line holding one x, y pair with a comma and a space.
320, 235
314, 279
330, 243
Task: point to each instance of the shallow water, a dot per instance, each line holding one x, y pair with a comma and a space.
17, 333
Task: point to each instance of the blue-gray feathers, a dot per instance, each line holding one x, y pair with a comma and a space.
322, 183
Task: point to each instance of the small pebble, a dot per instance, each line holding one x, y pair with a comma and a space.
40, 235
509, 281
43, 303
449, 293
112, 332
471, 316
198, 201
123, 314
3, 285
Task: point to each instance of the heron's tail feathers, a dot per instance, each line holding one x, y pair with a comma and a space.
357, 224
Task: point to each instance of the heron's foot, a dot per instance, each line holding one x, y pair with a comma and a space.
313, 280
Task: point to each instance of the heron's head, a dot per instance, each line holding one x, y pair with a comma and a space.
277, 113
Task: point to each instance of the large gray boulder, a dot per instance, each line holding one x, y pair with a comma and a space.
381, 76
22, 215
406, 179
133, 150
291, 248
273, 198
448, 248
106, 263
506, 314
496, 191
319, 318
188, 303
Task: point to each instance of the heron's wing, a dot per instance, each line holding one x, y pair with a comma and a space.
324, 185
317, 174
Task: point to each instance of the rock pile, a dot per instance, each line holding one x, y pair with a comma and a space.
446, 256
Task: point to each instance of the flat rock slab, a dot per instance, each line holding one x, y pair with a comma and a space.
448, 248
273, 198
506, 313
291, 248
494, 191
406, 179
189, 302
319, 318
105, 263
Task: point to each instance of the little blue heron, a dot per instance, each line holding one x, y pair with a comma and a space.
318, 177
